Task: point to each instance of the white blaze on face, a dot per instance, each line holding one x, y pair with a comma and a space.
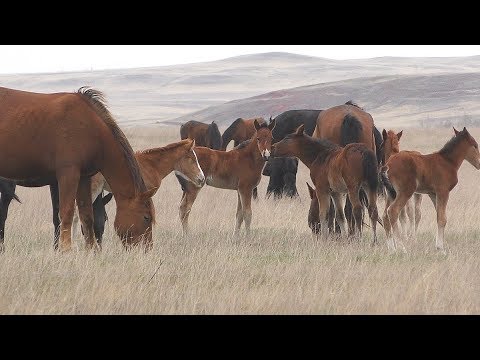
201, 176
266, 153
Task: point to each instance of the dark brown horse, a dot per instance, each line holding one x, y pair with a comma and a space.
239, 169
67, 138
410, 172
391, 146
241, 130
335, 171
203, 134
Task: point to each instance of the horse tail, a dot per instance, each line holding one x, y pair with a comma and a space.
370, 169
229, 132
386, 182
350, 130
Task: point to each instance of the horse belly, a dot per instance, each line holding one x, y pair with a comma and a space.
222, 183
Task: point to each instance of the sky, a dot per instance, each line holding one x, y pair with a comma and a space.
58, 58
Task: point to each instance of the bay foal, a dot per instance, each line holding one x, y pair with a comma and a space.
410, 172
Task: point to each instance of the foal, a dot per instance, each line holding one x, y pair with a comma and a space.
336, 170
238, 169
390, 146
408, 173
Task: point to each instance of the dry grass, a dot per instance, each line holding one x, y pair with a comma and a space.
280, 269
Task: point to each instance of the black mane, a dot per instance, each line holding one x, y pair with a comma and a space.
351, 102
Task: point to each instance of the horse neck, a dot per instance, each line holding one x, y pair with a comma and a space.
252, 149
457, 154
117, 172
160, 162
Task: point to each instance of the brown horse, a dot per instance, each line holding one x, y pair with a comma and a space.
336, 170
155, 164
314, 212
241, 130
390, 146
68, 137
343, 125
203, 134
238, 169
407, 173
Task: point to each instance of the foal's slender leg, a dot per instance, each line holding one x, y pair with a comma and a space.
4, 204
402, 217
441, 201
386, 221
188, 198
85, 211
323, 206
418, 211
354, 196
373, 212
246, 196
239, 215
411, 217
67, 184
55, 213
393, 213
338, 201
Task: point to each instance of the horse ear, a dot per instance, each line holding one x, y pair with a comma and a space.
300, 130
384, 134
272, 124
106, 199
455, 131
464, 129
311, 191
256, 124
148, 194
399, 135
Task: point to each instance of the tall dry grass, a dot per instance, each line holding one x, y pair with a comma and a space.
279, 269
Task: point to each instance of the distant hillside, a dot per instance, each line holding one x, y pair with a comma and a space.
149, 95
408, 100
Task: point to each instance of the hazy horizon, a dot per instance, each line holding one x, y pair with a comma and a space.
34, 59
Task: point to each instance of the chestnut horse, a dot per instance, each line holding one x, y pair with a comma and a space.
155, 165
238, 169
203, 134
336, 170
67, 138
241, 130
409, 172
390, 146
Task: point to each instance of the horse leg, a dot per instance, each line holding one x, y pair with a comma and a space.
349, 216
441, 201
55, 213
402, 217
411, 217
339, 204
386, 221
357, 209
323, 206
188, 198
373, 212
99, 218
239, 215
4, 204
255, 193
85, 211
246, 197
68, 180
418, 212
393, 213
75, 223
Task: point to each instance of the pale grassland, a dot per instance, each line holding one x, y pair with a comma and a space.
280, 269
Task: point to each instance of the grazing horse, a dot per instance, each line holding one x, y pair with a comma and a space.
390, 146
67, 138
238, 169
336, 170
283, 176
410, 172
343, 125
155, 164
203, 134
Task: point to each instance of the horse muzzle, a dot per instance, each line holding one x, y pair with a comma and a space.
266, 155
200, 180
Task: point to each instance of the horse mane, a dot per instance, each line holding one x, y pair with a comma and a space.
351, 102
228, 133
451, 144
243, 144
96, 99
320, 149
165, 148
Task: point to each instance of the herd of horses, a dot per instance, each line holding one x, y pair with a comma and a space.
71, 142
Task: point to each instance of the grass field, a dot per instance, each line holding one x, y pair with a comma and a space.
279, 269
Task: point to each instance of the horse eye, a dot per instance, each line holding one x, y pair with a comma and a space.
146, 219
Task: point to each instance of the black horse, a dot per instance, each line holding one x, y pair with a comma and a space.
289, 121
283, 176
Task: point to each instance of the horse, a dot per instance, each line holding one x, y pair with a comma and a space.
282, 173
203, 134
390, 146
435, 174
336, 170
155, 164
314, 213
239, 131
289, 121
238, 169
67, 138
